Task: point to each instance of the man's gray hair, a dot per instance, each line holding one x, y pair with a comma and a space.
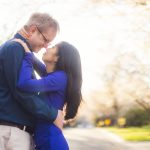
42, 21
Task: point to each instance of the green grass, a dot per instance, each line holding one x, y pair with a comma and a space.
132, 133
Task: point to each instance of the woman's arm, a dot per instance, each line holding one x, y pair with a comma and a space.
39, 67
53, 82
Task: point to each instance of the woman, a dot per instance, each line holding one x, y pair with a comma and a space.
60, 85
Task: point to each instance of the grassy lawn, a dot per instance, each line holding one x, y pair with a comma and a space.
132, 133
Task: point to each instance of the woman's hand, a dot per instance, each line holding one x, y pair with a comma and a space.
26, 48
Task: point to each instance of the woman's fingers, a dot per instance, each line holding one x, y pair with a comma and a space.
18, 40
23, 44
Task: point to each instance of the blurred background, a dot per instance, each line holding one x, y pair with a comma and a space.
113, 38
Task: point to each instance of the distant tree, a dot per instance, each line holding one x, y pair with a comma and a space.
129, 77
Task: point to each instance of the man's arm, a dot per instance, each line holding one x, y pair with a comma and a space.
34, 105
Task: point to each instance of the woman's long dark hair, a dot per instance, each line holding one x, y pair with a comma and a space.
69, 61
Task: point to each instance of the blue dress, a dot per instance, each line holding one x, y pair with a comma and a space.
52, 88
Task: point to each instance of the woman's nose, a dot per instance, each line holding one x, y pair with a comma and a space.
45, 45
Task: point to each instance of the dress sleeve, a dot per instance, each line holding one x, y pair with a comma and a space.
52, 82
39, 67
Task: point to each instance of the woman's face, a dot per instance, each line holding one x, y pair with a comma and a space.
50, 56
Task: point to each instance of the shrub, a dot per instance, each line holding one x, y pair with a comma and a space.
136, 117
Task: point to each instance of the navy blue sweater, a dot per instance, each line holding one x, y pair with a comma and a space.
16, 105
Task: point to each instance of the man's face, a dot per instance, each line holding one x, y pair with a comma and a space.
39, 39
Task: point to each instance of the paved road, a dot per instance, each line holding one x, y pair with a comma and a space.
99, 139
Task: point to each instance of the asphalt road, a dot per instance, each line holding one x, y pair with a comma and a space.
99, 139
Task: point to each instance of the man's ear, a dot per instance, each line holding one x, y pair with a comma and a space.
32, 30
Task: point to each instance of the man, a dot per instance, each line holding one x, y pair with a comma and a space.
19, 110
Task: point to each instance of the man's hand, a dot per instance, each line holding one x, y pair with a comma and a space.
59, 120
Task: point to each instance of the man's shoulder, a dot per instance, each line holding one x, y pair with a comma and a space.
11, 46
